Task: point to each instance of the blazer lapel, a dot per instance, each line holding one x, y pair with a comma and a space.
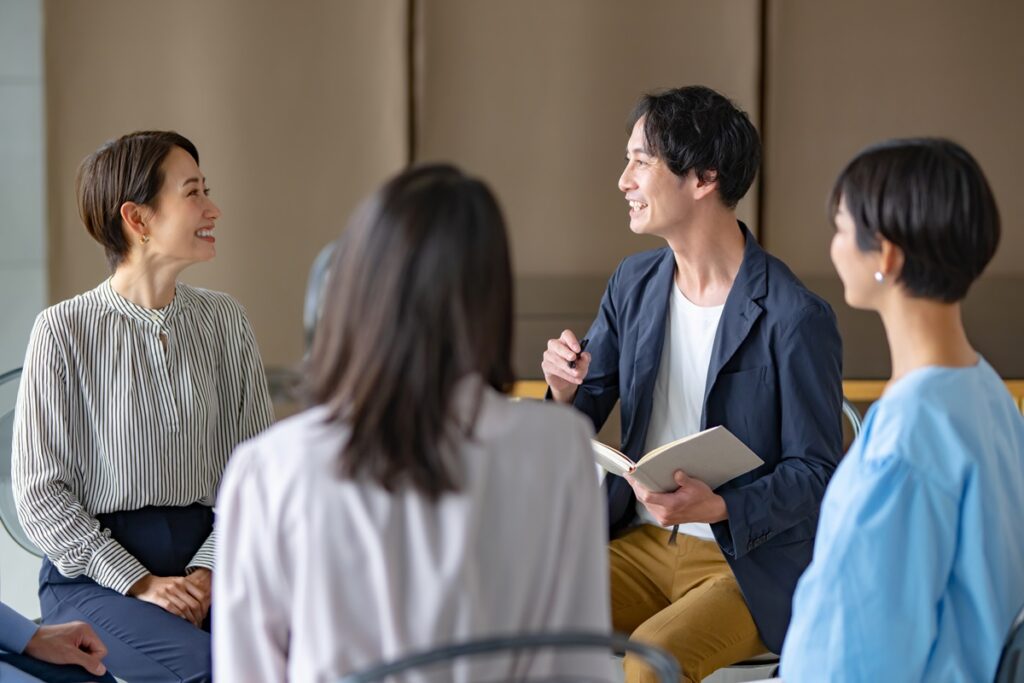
740, 313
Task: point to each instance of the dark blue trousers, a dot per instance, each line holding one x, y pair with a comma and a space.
52, 673
146, 644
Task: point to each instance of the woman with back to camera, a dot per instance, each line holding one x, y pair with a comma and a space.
133, 396
414, 504
917, 566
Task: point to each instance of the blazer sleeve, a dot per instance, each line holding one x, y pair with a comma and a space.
597, 395
809, 369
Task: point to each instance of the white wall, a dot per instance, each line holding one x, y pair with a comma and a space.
22, 230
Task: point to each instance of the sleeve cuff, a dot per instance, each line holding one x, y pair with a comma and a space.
115, 568
204, 556
733, 534
15, 630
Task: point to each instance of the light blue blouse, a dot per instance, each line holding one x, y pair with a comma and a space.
918, 566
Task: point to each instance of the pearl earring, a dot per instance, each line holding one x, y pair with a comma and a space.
879, 278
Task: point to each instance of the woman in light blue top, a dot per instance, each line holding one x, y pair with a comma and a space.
918, 567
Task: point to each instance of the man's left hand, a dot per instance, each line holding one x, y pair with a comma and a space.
693, 501
71, 643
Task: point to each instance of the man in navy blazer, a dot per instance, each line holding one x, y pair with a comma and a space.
709, 330
62, 653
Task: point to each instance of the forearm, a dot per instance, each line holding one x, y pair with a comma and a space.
204, 557
565, 396
717, 510
115, 568
73, 539
597, 395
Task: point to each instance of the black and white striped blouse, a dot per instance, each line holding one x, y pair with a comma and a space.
122, 407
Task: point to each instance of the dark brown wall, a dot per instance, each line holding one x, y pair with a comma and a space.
300, 109
842, 75
533, 96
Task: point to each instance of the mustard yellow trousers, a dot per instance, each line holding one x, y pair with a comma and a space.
682, 598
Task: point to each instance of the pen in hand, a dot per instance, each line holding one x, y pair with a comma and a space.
583, 347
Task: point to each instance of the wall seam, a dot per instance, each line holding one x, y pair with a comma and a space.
762, 116
412, 76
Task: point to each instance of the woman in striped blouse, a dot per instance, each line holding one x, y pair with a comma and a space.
133, 395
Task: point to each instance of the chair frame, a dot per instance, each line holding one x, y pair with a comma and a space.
662, 663
1009, 670
9, 375
17, 534
853, 416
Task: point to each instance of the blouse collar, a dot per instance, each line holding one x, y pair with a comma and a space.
160, 317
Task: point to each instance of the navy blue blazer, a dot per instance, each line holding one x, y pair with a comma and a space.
775, 381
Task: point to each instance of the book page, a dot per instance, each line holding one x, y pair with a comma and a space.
714, 456
672, 444
611, 459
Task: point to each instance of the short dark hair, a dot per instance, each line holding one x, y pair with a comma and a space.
419, 297
128, 169
697, 129
929, 197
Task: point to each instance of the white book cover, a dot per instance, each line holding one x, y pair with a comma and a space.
714, 456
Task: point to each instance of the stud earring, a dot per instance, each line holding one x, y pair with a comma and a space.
879, 278
145, 239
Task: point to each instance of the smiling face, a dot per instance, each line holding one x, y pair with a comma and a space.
856, 268
660, 202
180, 223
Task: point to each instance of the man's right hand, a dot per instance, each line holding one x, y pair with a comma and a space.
562, 379
176, 594
71, 643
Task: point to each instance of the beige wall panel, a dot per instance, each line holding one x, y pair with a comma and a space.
533, 96
298, 110
842, 75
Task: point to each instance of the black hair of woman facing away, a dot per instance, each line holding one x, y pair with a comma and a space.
414, 504
133, 396
917, 566
418, 307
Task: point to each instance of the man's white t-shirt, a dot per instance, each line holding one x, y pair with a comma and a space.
679, 388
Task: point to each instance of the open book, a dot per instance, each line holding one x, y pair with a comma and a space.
714, 456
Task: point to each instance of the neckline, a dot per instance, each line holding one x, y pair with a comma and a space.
151, 316
915, 375
682, 298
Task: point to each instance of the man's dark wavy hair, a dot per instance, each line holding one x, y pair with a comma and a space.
697, 129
